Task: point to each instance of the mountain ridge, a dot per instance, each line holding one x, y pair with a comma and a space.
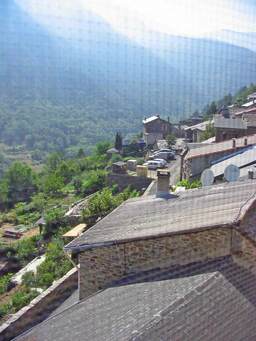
56, 92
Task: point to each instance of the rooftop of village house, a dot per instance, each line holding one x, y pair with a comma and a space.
220, 146
183, 302
192, 210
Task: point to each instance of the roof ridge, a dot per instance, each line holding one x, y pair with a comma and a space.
245, 207
179, 302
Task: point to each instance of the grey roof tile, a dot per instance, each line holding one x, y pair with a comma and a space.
203, 301
150, 217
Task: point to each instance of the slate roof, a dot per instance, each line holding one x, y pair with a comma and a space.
199, 126
202, 301
248, 157
245, 111
150, 119
148, 217
220, 147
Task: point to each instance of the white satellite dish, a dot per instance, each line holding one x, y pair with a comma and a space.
231, 173
207, 177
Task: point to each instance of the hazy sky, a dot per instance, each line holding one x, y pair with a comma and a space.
131, 17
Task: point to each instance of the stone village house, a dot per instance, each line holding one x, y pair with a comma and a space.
242, 123
154, 129
196, 160
165, 267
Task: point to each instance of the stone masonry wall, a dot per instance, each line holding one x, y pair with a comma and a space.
125, 180
194, 166
99, 267
40, 308
244, 251
244, 241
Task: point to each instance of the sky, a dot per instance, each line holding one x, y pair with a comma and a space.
131, 17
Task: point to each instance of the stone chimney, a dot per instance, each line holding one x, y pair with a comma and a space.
163, 184
250, 174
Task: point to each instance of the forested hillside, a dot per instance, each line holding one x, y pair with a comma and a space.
57, 91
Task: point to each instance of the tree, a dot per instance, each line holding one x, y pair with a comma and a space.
53, 161
118, 142
81, 153
38, 202
21, 182
102, 147
209, 132
4, 191
26, 249
54, 219
212, 109
171, 140
53, 183
95, 180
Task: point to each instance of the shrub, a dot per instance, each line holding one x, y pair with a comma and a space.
22, 298
95, 180
189, 184
26, 249
5, 282
55, 266
4, 310
104, 202
54, 218
29, 279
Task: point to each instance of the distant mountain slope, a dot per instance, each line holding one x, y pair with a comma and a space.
57, 92
242, 39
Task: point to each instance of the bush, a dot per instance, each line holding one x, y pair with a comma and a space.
29, 279
22, 298
189, 184
95, 181
5, 282
17, 301
55, 266
26, 249
4, 310
54, 218
104, 202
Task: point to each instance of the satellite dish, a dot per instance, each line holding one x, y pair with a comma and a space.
207, 177
231, 173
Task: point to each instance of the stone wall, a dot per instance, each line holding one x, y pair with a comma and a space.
223, 134
125, 180
194, 166
40, 307
244, 241
244, 251
99, 267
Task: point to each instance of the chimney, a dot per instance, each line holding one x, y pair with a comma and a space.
245, 141
233, 143
163, 184
250, 174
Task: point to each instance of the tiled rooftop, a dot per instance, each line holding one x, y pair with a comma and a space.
220, 147
203, 301
192, 210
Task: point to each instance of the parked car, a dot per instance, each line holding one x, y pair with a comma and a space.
164, 150
167, 150
162, 162
165, 155
153, 165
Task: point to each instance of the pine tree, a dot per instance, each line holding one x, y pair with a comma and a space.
118, 141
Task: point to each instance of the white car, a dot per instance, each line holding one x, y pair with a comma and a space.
162, 162
165, 155
164, 150
153, 165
